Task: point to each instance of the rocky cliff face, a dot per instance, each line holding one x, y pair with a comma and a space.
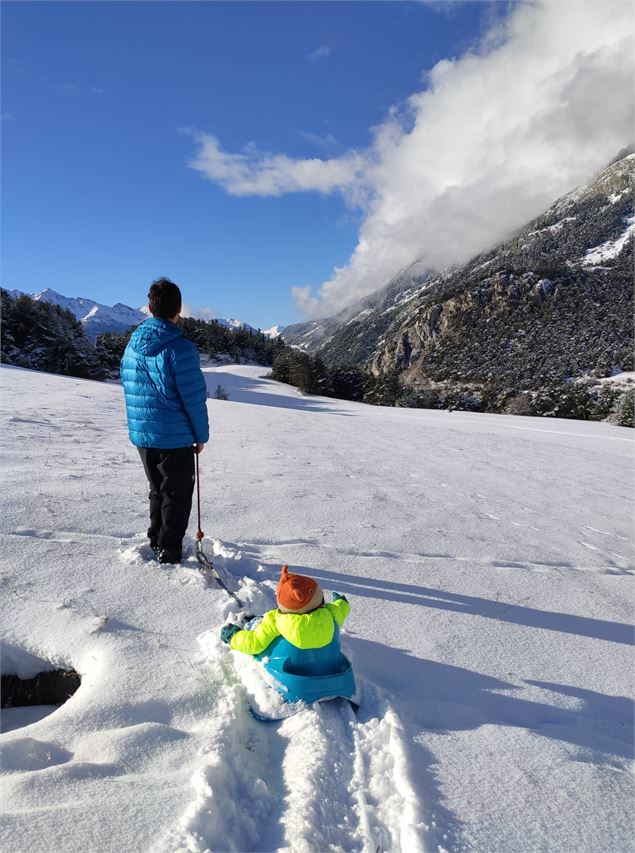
552, 302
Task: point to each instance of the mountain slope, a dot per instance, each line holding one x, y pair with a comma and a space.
554, 301
379, 306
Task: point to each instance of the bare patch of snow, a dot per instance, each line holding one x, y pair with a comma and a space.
553, 229
359, 316
624, 378
609, 249
617, 196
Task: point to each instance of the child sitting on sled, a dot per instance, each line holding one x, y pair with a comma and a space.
302, 619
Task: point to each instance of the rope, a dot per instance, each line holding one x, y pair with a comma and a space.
199, 532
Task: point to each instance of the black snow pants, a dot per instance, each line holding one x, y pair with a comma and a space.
171, 477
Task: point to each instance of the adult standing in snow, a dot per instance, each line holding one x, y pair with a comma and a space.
165, 396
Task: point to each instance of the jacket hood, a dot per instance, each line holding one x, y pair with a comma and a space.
153, 335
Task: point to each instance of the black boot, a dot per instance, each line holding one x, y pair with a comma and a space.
166, 555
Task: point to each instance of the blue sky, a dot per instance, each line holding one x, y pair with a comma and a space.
281, 160
98, 198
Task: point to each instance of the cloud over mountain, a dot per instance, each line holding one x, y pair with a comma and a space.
494, 136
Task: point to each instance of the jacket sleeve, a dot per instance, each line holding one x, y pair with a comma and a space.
190, 384
256, 641
339, 610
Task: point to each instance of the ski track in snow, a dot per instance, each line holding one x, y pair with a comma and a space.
322, 779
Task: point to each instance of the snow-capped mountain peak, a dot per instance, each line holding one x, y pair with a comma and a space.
94, 317
274, 331
118, 318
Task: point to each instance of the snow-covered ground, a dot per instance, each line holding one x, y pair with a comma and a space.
489, 564
622, 379
611, 248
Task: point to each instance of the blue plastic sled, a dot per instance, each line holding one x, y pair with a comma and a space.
309, 675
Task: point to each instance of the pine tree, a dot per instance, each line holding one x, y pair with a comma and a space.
625, 410
347, 382
42, 336
281, 368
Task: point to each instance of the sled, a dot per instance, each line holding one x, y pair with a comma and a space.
290, 710
309, 675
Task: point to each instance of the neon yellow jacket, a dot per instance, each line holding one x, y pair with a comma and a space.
306, 630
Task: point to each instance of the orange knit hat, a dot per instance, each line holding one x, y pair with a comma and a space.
297, 593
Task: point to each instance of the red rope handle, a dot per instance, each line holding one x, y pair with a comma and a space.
199, 532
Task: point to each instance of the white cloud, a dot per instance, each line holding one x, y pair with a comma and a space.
205, 313
255, 172
495, 136
306, 304
319, 53
327, 141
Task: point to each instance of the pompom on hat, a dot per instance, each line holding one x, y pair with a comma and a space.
297, 593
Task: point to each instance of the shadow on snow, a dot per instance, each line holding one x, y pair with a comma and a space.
567, 623
245, 389
446, 698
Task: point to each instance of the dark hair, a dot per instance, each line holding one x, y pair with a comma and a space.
164, 299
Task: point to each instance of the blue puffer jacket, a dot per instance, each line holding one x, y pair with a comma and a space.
164, 388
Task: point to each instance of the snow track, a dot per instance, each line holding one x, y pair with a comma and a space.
384, 782
323, 779
231, 795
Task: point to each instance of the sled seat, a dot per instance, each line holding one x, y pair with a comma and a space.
309, 675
